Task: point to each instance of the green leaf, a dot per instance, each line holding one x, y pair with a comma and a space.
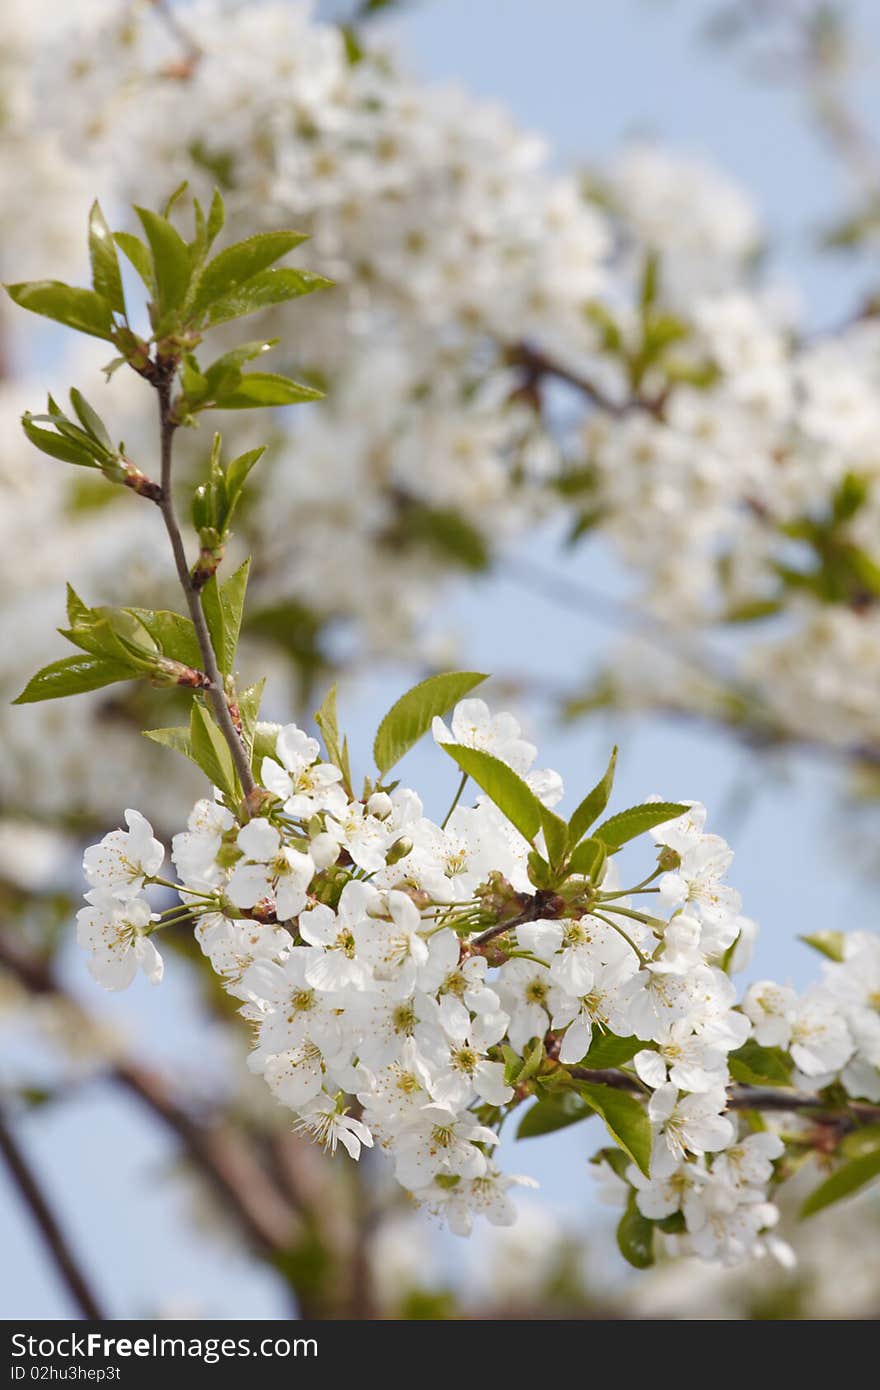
211, 751
84, 310
555, 836
173, 633
106, 276
848, 1179
172, 261
626, 825
861, 1141
269, 287
635, 1236
625, 1119
753, 1065
588, 858
412, 715
233, 267
249, 701
139, 255
445, 530
177, 738
828, 943
216, 217
262, 389
753, 610
224, 605
552, 1113
57, 446
532, 1062
73, 675
224, 374
607, 1050
237, 471
91, 421
849, 497
327, 721
501, 784
593, 804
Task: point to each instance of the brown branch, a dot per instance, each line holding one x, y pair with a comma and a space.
44, 1218
228, 1163
192, 49
740, 1097
537, 365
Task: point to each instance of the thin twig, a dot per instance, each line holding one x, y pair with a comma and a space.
178, 30
44, 1218
216, 690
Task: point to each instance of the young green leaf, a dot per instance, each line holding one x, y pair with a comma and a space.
216, 218
237, 472
237, 264
211, 751
224, 606
753, 1065
57, 446
607, 1050
412, 715
626, 825
173, 633
106, 276
327, 721
555, 836
255, 390
172, 261
625, 1119
588, 858
551, 1113
83, 310
177, 738
269, 287
73, 675
91, 421
593, 804
635, 1236
827, 943
855, 1174
510, 793
139, 255
249, 701
224, 373
445, 531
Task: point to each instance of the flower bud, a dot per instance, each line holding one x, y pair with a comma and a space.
380, 805
399, 850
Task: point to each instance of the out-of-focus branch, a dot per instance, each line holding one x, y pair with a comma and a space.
263, 1211
60, 1251
190, 46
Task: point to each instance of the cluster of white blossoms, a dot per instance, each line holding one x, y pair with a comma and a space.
755, 496
452, 244
407, 984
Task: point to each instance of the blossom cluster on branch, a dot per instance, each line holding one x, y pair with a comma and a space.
407, 982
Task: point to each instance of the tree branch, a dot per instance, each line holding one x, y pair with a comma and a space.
216, 690
224, 1159
192, 49
54, 1239
739, 1097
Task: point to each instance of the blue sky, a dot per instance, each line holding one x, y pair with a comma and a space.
586, 74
